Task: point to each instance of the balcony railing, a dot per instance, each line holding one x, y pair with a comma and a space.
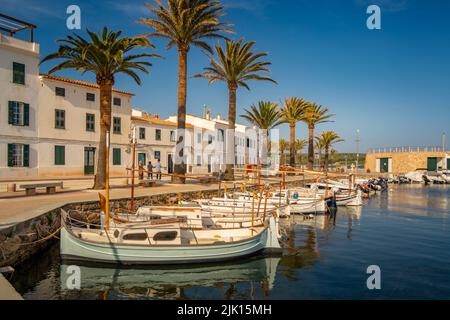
405, 149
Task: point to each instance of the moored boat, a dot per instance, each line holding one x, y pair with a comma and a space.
162, 242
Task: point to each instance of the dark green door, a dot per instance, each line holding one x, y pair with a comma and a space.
89, 161
142, 157
448, 164
384, 165
432, 164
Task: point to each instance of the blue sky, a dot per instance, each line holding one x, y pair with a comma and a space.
392, 84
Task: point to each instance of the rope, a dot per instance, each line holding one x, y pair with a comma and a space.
43, 239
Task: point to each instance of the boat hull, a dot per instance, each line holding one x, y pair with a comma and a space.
73, 248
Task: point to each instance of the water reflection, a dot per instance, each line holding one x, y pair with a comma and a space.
171, 282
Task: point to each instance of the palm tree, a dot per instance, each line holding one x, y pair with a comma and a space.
327, 139
105, 55
185, 23
265, 116
313, 116
319, 147
237, 64
291, 113
300, 144
284, 145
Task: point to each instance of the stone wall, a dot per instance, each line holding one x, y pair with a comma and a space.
402, 162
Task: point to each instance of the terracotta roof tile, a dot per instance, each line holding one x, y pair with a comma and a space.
81, 83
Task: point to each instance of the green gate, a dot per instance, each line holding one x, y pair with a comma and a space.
384, 165
432, 164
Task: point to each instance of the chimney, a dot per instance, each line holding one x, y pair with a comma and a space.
156, 116
208, 115
148, 116
219, 116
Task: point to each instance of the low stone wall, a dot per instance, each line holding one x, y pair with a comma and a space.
19, 242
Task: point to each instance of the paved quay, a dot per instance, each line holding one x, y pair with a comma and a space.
19, 209
7, 291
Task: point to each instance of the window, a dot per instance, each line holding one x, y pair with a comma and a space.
158, 155
158, 135
210, 139
199, 138
18, 155
90, 96
18, 73
90, 122
142, 133
173, 137
60, 155
18, 113
221, 135
60, 119
117, 102
117, 124
199, 161
165, 236
60, 92
117, 157
136, 237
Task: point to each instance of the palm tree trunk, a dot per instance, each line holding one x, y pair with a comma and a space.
326, 158
230, 143
292, 145
105, 125
180, 164
311, 147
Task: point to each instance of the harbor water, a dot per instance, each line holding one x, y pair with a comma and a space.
404, 231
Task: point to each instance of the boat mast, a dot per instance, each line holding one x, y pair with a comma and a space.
133, 166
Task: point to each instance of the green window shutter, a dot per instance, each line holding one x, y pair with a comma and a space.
26, 155
60, 155
11, 148
26, 115
117, 157
10, 112
18, 73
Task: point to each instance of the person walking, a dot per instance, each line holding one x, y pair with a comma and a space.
158, 169
150, 170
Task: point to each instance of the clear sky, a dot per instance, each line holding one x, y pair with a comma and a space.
392, 84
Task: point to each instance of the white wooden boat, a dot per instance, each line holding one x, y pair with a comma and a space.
196, 218
161, 242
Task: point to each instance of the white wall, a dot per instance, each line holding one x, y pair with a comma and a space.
16, 50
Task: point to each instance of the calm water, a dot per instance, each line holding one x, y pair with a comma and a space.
405, 231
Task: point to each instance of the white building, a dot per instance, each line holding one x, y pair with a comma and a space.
209, 144
19, 107
69, 128
156, 139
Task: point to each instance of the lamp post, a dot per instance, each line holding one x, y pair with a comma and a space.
358, 140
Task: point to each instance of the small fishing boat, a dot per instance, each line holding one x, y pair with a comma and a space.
162, 242
194, 217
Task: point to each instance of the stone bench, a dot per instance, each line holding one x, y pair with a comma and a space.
30, 189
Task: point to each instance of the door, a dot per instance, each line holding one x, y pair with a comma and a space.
209, 164
89, 161
448, 164
170, 163
384, 165
432, 164
142, 157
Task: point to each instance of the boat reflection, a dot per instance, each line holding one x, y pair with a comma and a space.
171, 282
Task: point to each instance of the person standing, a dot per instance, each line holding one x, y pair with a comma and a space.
150, 170
158, 169
141, 170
